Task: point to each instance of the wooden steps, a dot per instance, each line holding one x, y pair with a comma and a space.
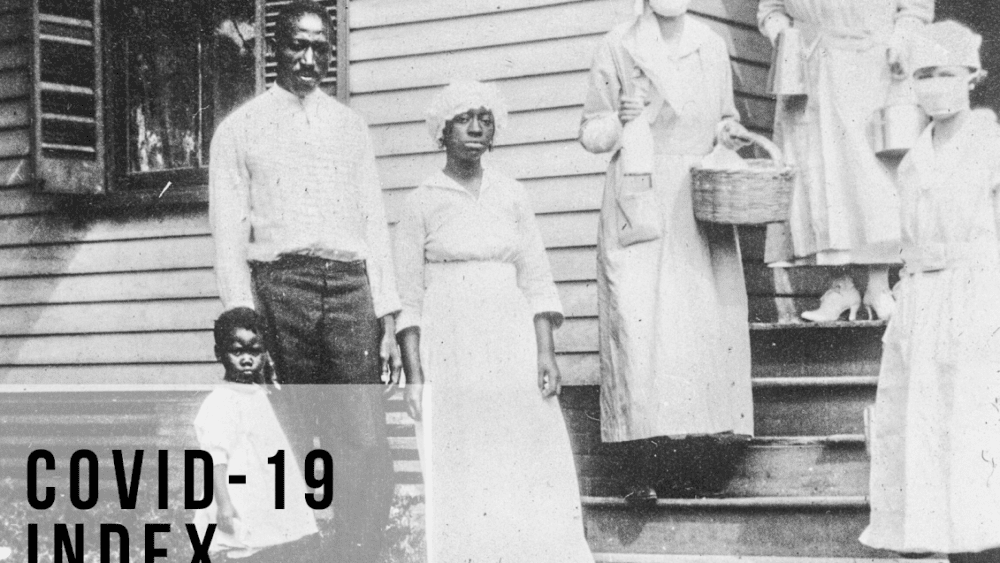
800, 466
762, 526
796, 493
658, 558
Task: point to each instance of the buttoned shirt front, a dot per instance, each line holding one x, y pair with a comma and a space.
296, 176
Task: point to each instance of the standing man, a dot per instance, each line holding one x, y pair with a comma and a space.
298, 221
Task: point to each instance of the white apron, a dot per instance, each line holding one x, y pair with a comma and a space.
674, 340
844, 204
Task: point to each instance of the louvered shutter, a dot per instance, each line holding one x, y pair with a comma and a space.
68, 136
333, 7
15, 93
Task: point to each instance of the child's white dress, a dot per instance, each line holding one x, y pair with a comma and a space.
237, 425
935, 481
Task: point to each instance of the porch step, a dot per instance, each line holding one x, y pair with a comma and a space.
648, 558
793, 466
796, 527
816, 349
783, 406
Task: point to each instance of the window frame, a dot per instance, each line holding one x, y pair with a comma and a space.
183, 186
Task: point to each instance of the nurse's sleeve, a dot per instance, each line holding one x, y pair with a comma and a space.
600, 128
914, 12
910, 17
728, 110
410, 239
534, 275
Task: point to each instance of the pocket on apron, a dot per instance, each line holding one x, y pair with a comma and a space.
638, 211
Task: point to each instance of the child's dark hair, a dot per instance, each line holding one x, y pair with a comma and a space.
239, 317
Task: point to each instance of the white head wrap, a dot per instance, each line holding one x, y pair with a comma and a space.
459, 97
947, 43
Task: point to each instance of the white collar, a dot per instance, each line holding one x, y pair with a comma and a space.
441, 180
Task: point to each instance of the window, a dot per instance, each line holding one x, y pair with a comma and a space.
179, 67
126, 95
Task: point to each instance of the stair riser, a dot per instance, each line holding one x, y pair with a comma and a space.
778, 411
811, 411
801, 532
824, 352
800, 470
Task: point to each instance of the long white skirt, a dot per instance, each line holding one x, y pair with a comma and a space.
498, 469
935, 479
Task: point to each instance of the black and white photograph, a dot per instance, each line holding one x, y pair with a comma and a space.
499, 281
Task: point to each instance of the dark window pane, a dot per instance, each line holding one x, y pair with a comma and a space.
234, 64
188, 63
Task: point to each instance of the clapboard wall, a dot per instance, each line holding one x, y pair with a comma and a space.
538, 52
127, 296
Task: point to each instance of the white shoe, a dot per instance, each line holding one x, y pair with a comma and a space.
842, 296
882, 302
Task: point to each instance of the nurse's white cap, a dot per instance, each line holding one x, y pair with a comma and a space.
946, 43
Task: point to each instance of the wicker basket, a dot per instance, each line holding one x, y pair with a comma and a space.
754, 196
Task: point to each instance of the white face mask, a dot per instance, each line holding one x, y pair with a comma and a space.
669, 8
941, 96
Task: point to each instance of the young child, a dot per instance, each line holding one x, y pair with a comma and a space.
237, 425
935, 480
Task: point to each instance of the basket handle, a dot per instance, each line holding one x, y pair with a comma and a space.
763, 142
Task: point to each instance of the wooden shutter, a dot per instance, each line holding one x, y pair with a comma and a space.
338, 64
68, 139
16, 166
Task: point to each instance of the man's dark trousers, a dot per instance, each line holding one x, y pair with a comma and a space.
324, 339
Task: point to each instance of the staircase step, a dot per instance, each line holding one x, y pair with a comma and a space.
795, 466
819, 349
651, 558
812, 406
783, 406
802, 467
759, 526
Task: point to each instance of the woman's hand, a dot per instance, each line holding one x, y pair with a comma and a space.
409, 346
774, 25
549, 378
414, 393
631, 108
392, 363
732, 135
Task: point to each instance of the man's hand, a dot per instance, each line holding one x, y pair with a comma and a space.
549, 378
392, 362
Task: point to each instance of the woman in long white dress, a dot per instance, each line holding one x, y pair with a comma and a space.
479, 306
935, 481
674, 338
845, 208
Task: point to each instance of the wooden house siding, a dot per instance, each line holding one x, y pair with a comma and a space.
113, 299
129, 297
538, 52
106, 301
